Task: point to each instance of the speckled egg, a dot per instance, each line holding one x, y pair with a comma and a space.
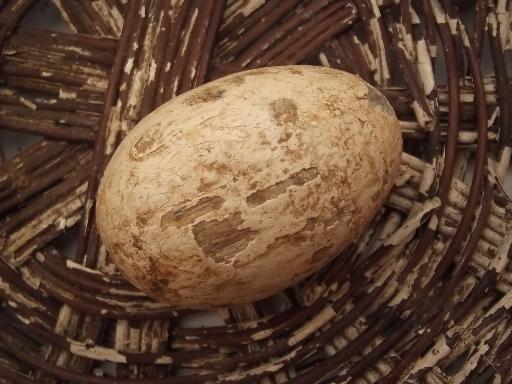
244, 186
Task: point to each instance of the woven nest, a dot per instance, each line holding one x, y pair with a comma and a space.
424, 296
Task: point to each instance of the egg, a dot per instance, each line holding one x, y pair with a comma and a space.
246, 185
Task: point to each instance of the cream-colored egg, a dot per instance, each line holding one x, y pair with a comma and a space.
246, 185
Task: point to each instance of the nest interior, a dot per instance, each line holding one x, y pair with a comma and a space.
424, 296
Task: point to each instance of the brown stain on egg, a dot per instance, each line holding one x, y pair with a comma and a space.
116, 250
285, 137
144, 144
295, 71
221, 240
160, 277
322, 253
385, 176
334, 105
235, 80
141, 220
205, 95
137, 243
205, 185
298, 237
184, 215
284, 111
271, 192
263, 138
310, 224
218, 167
336, 213
149, 144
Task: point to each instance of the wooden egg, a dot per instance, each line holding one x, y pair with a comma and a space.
244, 186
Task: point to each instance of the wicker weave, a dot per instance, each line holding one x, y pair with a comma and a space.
424, 296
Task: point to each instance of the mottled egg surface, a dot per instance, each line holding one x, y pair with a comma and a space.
244, 186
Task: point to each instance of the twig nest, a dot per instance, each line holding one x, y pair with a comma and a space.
244, 186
